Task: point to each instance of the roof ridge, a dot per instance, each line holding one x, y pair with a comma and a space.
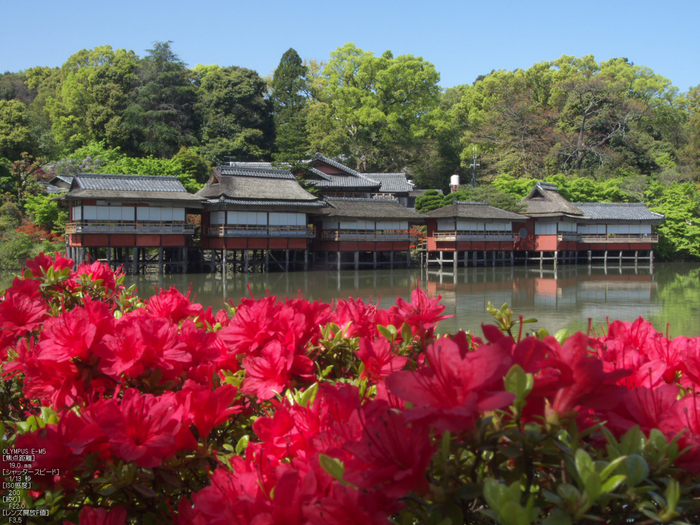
484, 203
360, 199
123, 175
335, 164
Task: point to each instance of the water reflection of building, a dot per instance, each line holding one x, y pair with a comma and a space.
554, 298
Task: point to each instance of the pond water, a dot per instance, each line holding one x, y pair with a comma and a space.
565, 298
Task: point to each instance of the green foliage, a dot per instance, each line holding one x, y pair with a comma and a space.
160, 117
91, 97
236, 117
380, 104
289, 98
430, 200
45, 212
15, 131
15, 249
193, 165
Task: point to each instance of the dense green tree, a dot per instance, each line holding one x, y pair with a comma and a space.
289, 97
236, 117
92, 96
15, 131
14, 86
381, 105
160, 117
193, 165
45, 82
21, 179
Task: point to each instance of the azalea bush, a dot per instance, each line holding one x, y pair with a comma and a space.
276, 412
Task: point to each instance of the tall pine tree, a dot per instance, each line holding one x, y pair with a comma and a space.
160, 116
289, 100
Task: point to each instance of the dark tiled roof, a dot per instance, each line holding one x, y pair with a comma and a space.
332, 180
544, 200
259, 165
243, 202
134, 196
370, 209
126, 183
250, 186
391, 182
618, 211
258, 171
474, 210
334, 163
51, 189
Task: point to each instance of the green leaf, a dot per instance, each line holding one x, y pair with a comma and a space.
389, 332
561, 335
593, 486
242, 444
406, 333
610, 468
518, 382
636, 468
333, 466
611, 484
309, 395
584, 464
673, 494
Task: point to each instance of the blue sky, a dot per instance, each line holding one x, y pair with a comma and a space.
462, 38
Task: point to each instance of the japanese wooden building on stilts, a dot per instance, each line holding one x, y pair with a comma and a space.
470, 233
256, 219
130, 220
364, 233
561, 231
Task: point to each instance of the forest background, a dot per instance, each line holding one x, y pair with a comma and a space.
609, 131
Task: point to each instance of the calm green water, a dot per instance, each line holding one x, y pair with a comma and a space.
670, 293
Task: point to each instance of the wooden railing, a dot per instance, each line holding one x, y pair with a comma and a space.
618, 237
243, 230
568, 236
143, 227
475, 236
368, 235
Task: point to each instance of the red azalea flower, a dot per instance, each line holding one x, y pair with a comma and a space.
21, 313
583, 378
349, 506
450, 392
378, 359
357, 317
141, 343
390, 456
41, 263
100, 274
212, 408
647, 407
269, 373
252, 327
76, 333
57, 462
421, 313
143, 428
92, 516
173, 305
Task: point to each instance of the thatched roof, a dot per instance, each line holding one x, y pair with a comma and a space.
379, 209
254, 184
544, 200
474, 210
606, 211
